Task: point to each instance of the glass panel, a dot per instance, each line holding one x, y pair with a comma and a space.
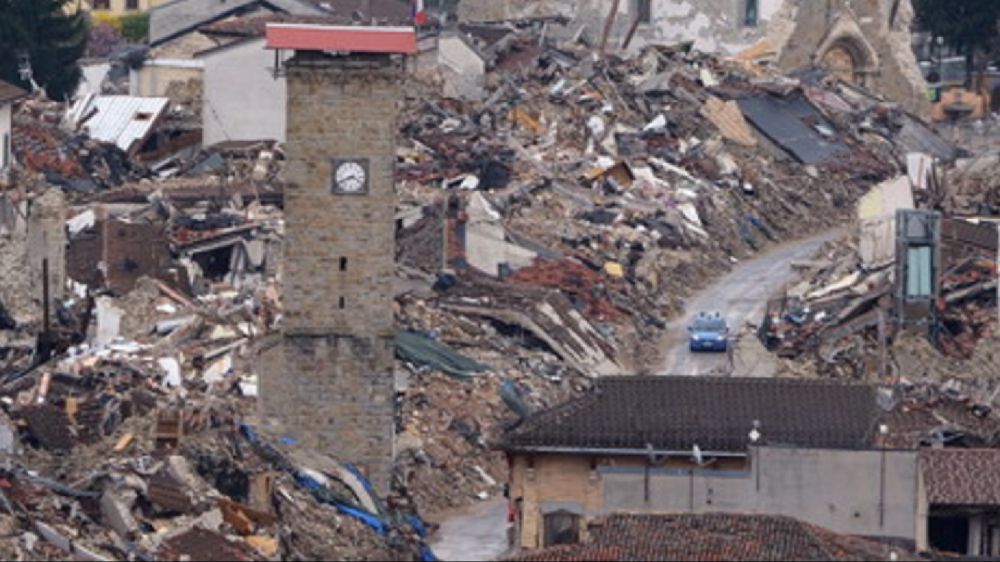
919, 272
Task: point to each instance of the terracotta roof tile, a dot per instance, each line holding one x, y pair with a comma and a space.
961, 476
717, 414
715, 537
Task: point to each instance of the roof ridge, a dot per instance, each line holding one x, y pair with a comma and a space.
765, 381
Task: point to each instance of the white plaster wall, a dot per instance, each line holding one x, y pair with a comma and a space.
242, 99
715, 26
839, 490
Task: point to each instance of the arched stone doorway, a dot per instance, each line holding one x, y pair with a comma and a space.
845, 51
847, 60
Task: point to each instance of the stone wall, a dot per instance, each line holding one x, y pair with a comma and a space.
332, 381
881, 47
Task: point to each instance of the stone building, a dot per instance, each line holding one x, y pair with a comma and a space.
334, 384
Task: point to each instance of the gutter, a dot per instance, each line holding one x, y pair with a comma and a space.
621, 452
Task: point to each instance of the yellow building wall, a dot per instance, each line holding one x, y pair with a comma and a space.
554, 478
116, 7
571, 479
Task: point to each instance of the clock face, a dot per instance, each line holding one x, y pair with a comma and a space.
351, 176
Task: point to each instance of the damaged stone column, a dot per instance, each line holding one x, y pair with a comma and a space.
334, 387
24, 248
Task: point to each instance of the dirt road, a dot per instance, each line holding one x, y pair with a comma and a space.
741, 297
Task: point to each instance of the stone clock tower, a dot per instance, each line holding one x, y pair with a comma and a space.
335, 385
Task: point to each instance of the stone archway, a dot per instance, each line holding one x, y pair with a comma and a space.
845, 60
839, 61
845, 51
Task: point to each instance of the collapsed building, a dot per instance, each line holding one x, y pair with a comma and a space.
867, 43
547, 230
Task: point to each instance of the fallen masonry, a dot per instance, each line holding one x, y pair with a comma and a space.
546, 234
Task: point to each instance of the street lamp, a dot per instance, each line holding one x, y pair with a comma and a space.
939, 41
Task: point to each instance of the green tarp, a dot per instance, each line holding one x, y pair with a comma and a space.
422, 351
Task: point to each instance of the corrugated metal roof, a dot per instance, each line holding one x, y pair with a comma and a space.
356, 39
125, 121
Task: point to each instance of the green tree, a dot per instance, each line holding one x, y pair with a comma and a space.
52, 39
968, 25
135, 27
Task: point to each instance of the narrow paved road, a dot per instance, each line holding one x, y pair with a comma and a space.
480, 531
476, 534
741, 297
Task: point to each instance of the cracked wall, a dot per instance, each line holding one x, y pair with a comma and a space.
861, 30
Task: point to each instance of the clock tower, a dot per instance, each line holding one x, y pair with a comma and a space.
334, 384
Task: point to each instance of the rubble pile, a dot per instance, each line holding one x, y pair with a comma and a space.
67, 159
973, 189
548, 231
943, 413
137, 447
624, 183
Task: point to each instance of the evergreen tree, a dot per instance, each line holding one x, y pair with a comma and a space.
52, 39
968, 25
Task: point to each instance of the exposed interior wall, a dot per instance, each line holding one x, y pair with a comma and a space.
714, 25
24, 247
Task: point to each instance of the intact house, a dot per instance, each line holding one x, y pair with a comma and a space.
821, 452
9, 94
805, 449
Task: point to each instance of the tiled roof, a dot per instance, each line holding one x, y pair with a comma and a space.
715, 537
961, 476
717, 414
10, 92
176, 18
385, 12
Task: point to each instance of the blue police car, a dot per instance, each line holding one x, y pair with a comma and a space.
709, 332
